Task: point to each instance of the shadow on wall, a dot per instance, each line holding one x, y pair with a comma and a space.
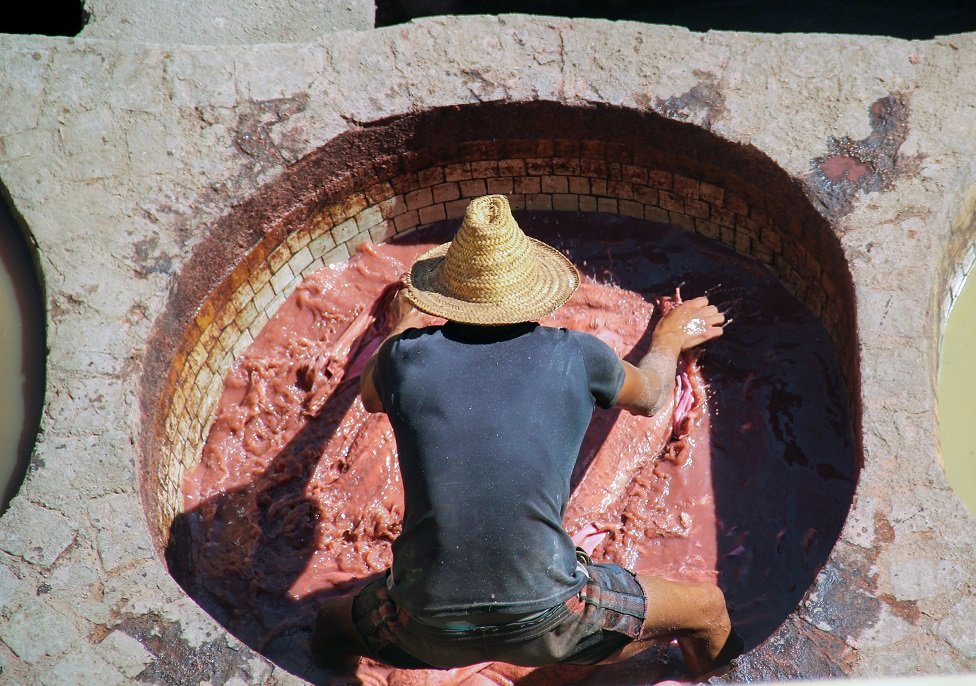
900, 18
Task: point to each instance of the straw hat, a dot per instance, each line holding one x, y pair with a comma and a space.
491, 273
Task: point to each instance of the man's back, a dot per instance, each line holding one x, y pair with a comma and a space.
489, 422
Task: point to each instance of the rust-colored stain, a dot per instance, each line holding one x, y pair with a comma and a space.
703, 102
870, 165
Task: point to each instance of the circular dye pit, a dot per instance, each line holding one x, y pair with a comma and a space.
258, 525
22, 364
957, 397
298, 492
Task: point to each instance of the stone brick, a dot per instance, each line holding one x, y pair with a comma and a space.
743, 244
511, 168
407, 220
599, 187
632, 173
646, 195
415, 200
78, 669
8, 585
378, 192
714, 195
369, 218
660, 179
321, 245
502, 186
671, 202
456, 208
34, 533
538, 201
917, 576
484, 169
457, 172
555, 184
405, 183
579, 185
565, 202
444, 192
620, 189
527, 185
566, 166
386, 230
696, 208
431, 177
682, 220
351, 205
656, 214
342, 232
722, 215
631, 208
538, 167
685, 187
608, 205
593, 168
393, 207
433, 213
36, 630
587, 203
473, 188
771, 237
284, 278
125, 652
727, 236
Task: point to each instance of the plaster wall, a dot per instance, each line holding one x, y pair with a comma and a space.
121, 158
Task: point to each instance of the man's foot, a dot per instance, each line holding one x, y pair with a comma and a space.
733, 648
331, 644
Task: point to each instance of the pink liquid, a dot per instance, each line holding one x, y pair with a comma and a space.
290, 503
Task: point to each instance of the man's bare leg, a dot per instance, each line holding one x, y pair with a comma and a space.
335, 637
694, 613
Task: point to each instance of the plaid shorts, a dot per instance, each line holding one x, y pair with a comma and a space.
604, 616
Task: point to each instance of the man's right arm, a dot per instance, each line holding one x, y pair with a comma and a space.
648, 386
405, 316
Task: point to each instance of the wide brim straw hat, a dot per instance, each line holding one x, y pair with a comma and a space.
491, 273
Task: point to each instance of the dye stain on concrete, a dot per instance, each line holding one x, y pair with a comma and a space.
703, 103
870, 165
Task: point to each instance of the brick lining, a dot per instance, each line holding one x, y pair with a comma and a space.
388, 180
230, 319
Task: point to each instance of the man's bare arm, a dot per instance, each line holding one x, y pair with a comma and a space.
648, 386
405, 316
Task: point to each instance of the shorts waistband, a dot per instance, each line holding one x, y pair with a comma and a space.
487, 621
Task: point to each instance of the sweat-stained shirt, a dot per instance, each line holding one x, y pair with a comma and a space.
488, 423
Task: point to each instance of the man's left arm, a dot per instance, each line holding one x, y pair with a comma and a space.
646, 387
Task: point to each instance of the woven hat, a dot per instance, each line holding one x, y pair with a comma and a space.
491, 273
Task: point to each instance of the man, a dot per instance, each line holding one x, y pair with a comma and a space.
489, 412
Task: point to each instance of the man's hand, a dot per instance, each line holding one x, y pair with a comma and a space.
689, 324
648, 386
403, 315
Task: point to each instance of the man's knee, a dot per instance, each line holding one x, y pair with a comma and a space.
713, 607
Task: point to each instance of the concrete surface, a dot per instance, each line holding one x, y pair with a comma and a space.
118, 158
207, 22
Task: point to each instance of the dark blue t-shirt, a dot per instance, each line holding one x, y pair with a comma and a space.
489, 423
